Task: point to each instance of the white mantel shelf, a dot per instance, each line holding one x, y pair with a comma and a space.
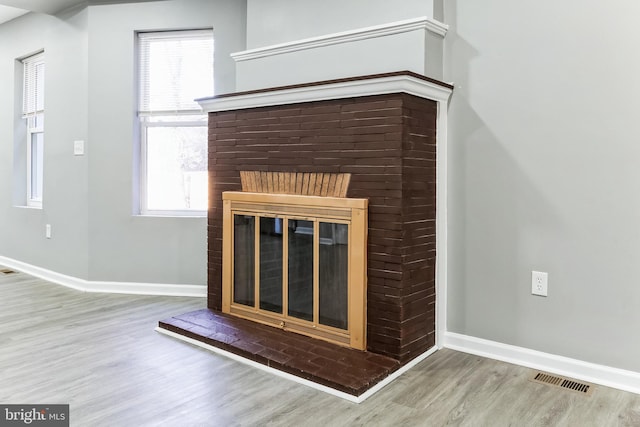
398, 82
421, 23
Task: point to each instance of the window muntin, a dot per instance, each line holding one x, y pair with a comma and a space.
33, 114
175, 67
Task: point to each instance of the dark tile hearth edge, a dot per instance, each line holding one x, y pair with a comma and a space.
346, 370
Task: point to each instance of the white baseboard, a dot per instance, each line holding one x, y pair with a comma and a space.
351, 398
598, 374
104, 286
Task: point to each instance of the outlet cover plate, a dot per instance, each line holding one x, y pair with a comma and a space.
539, 283
78, 148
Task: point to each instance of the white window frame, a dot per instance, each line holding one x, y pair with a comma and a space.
146, 116
34, 117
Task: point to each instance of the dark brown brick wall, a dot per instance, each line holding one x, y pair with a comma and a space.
387, 143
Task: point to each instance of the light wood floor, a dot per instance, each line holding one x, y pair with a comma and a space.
100, 354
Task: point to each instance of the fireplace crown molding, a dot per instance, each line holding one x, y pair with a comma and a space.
376, 84
421, 23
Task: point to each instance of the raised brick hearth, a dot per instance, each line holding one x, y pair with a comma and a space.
387, 142
341, 368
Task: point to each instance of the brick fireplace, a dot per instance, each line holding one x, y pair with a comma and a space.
385, 137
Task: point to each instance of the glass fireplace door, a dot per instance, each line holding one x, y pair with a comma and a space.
333, 277
295, 272
270, 256
300, 269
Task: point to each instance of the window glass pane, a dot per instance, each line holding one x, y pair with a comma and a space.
177, 168
300, 286
271, 264
175, 68
244, 260
33, 84
39, 89
334, 274
37, 162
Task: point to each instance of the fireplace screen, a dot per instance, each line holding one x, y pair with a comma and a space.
297, 262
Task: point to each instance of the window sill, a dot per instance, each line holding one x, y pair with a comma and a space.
171, 215
37, 208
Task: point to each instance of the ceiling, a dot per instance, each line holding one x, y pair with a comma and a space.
43, 6
7, 13
10, 9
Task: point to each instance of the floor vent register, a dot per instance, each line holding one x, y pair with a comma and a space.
565, 383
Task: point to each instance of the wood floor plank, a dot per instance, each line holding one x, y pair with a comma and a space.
100, 354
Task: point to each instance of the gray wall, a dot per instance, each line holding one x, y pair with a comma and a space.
544, 175
22, 230
278, 21
90, 95
125, 247
272, 22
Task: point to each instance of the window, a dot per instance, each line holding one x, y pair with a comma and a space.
33, 113
175, 67
297, 262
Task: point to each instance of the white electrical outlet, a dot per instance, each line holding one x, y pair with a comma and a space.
539, 283
78, 148
47, 231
